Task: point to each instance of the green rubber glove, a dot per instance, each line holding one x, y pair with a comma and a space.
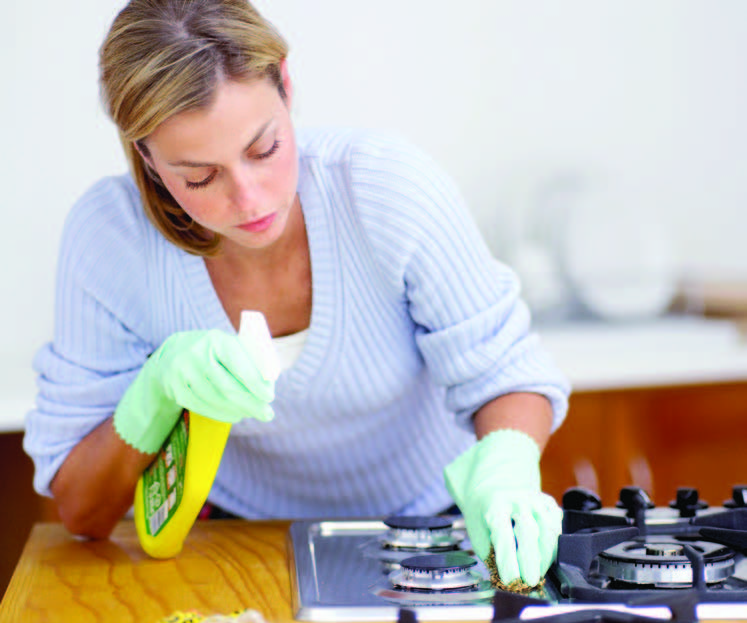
496, 485
211, 373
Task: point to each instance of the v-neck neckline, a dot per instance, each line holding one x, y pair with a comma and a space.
323, 343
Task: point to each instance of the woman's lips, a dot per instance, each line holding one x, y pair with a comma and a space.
261, 224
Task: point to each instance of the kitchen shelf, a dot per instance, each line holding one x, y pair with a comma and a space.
667, 351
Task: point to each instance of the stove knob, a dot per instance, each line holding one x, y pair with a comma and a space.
738, 497
687, 502
407, 616
581, 499
633, 499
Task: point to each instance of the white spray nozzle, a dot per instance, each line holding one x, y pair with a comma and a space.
254, 334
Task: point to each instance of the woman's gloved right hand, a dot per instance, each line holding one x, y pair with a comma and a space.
211, 373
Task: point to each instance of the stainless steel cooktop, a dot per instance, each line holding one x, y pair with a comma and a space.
368, 570
634, 558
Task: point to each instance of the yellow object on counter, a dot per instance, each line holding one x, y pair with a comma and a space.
172, 490
246, 616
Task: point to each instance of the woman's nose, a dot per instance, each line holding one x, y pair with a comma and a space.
244, 190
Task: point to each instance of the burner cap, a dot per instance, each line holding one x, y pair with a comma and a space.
420, 534
664, 549
412, 522
436, 572
450, 561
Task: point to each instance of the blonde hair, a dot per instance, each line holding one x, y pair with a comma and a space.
163, 57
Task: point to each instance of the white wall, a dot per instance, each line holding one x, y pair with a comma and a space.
499, 91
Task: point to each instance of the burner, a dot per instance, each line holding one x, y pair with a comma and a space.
420, 534
408, 536
451, 578
436, 572
661, 561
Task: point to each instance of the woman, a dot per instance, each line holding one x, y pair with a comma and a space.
402, 338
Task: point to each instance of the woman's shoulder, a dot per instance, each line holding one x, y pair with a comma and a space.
345, 145
385, 160
107, 224
113, 199
384, 163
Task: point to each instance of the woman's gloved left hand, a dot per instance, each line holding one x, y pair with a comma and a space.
496, 485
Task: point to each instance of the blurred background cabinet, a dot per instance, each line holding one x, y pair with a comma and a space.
21, 506
658, 438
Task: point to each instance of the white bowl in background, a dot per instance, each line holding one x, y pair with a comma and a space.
617, 256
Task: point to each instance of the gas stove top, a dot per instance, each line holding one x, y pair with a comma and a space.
634, 558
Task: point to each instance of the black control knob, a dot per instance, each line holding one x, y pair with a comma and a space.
738, 497
634, 499
407, 616
687, 502
581, 499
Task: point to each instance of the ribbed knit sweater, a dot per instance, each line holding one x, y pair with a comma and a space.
414, 326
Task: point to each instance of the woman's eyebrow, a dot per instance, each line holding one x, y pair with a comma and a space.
199, 165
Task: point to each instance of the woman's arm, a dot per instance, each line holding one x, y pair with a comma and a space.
212, 373
522, 411
95, 485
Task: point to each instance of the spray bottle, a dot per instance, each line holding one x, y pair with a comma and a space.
172, 490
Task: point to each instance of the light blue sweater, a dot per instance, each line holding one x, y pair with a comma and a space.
414, 326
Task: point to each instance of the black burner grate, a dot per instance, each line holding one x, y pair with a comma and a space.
590, 531
507, 608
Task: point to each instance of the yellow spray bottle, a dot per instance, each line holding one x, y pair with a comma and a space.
172, 490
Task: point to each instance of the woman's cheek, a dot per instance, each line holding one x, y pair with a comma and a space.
191, 204
196, 208
290, 171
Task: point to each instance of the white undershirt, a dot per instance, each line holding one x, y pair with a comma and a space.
289, 347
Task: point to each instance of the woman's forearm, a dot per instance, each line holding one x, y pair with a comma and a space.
95, 485
526, 412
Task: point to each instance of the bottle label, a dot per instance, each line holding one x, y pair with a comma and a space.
163, 480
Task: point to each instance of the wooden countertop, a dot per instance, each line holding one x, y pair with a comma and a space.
226, 565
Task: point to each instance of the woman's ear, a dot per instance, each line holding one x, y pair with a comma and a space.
287, 84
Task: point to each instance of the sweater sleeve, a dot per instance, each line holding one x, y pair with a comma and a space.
472, 328
100, 313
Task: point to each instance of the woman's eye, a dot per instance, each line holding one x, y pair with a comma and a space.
201, 183
261, 156
269, 152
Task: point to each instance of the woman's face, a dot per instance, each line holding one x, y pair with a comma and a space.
232, 167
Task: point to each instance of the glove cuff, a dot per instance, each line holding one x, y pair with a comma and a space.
144, 417
510, 441
506, 451
514, 454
